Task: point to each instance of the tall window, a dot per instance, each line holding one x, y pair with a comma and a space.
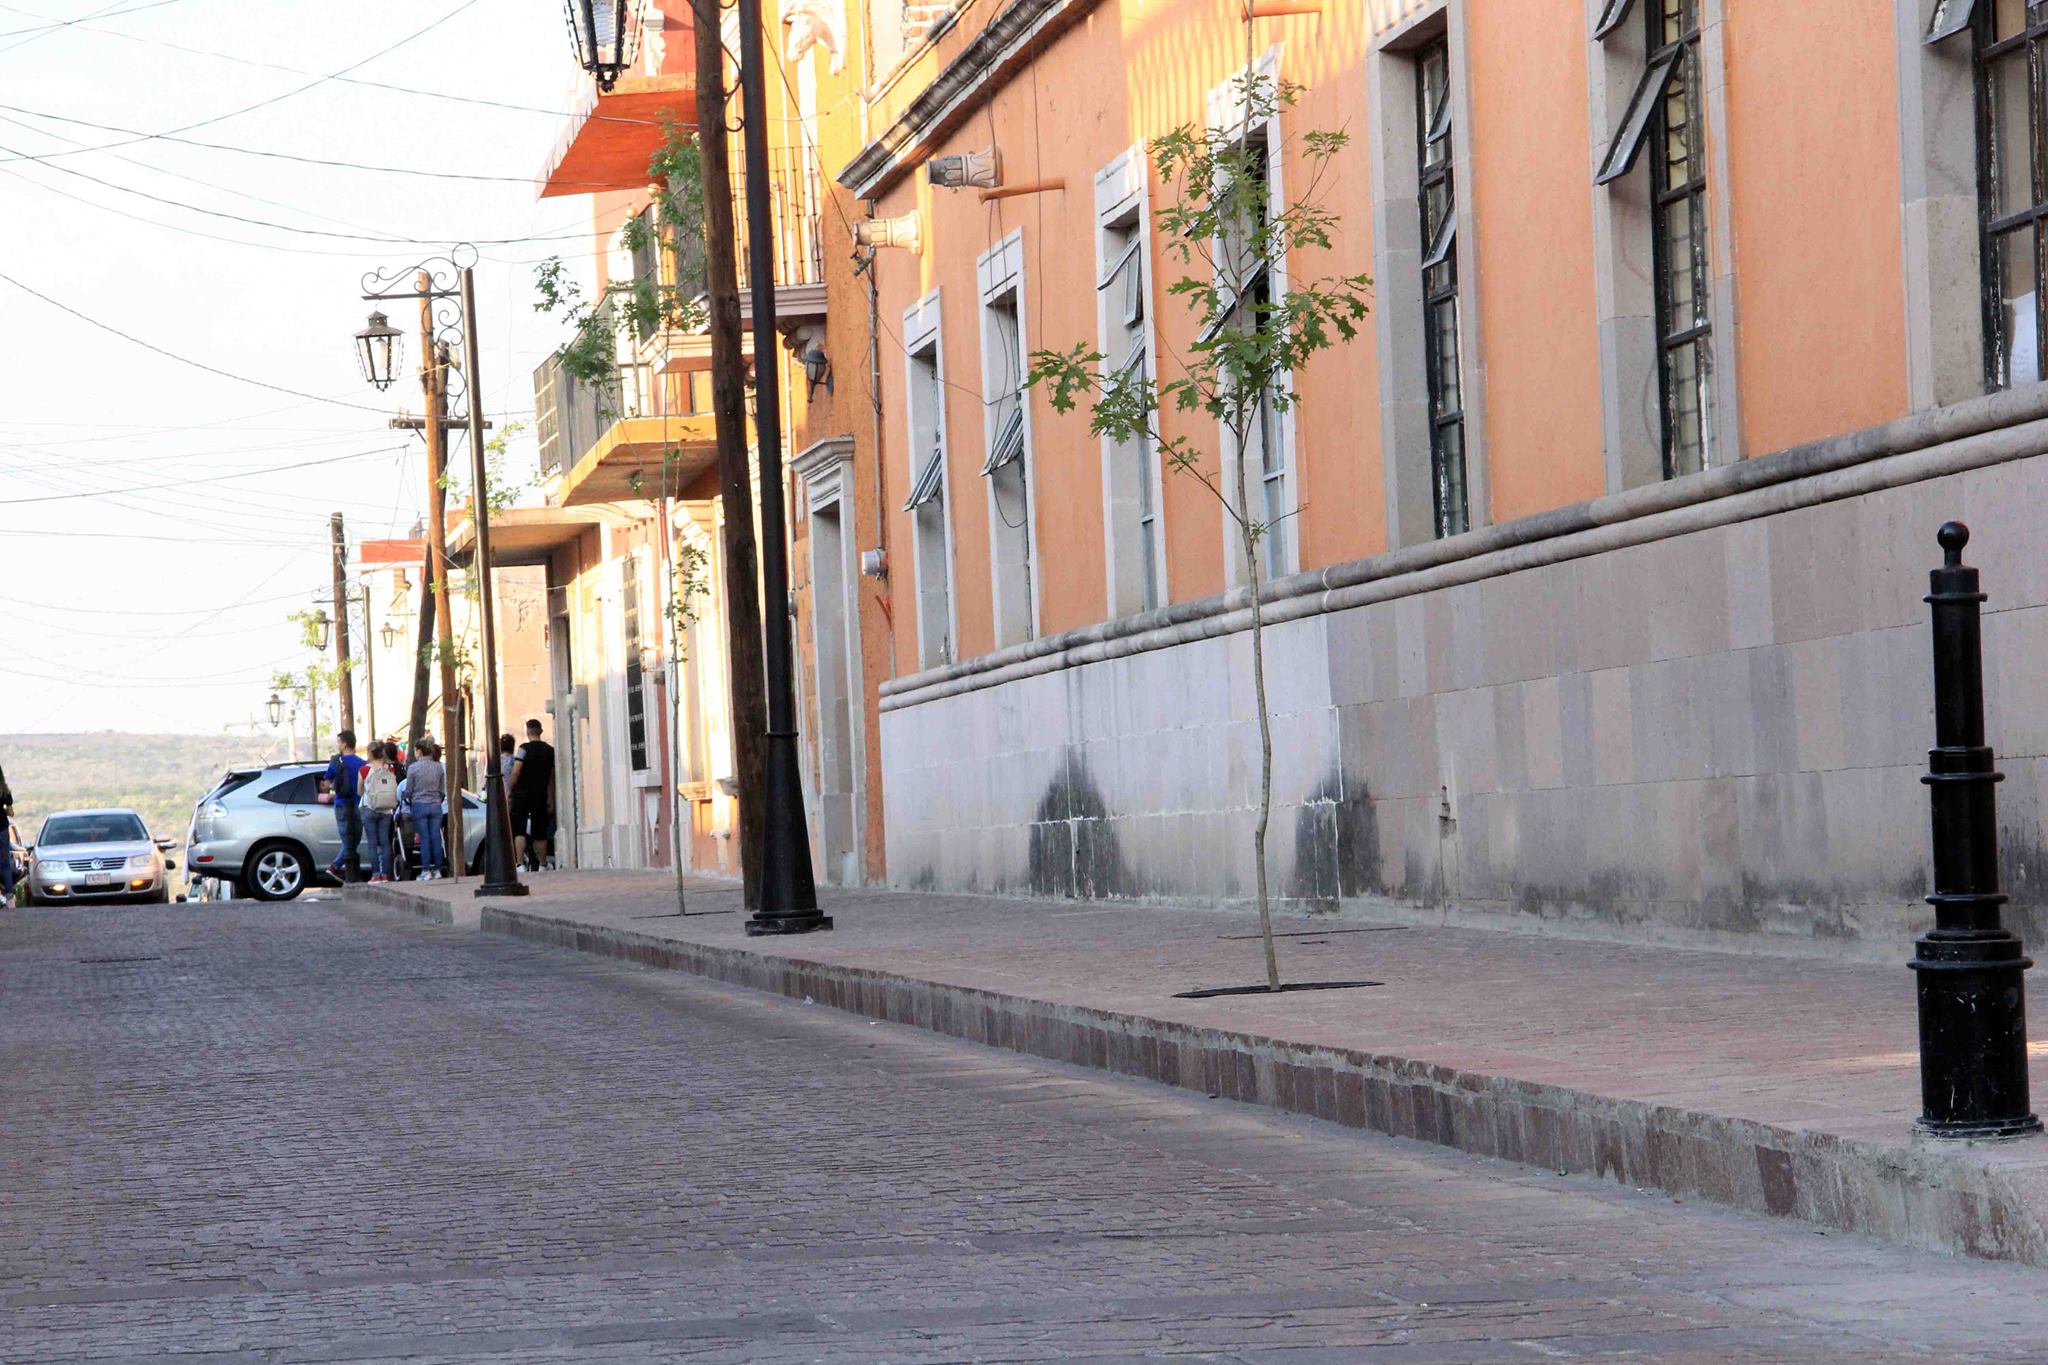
1440, 288
1131, 476
927, 501
636, 675
1665, 113
1247, 277
1006, 468
2012, 172
1678, 183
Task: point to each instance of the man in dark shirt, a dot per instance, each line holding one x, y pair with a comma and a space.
344, 783
532, 798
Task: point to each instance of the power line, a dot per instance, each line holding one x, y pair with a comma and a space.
186, 483
386, 239
274, 99
194, 541
358, 80
13, 601
41, 31
183, 360
276, 156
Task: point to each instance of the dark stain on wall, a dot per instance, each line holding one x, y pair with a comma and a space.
1336, 843
1073, 850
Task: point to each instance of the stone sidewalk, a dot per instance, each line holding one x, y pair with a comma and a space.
1782, 1086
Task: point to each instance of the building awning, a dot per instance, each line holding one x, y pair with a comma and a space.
626, 463
522, 535
613, 137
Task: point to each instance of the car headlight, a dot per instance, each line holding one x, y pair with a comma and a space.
142, 862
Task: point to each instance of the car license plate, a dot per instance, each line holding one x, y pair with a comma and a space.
99, 879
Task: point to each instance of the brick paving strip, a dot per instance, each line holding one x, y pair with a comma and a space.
1783, 1086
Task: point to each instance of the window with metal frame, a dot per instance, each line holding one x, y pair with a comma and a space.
1440, 288
1134, 498
1005, 466
1247, 288
1665, 113
2010, 41
927, 501
1678, 184
636, 674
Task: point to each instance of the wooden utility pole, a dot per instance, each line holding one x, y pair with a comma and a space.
735, 481
434, 376
344, 684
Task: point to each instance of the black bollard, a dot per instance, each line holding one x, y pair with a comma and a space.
1973, 1011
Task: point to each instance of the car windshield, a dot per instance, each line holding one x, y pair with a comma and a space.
110, 828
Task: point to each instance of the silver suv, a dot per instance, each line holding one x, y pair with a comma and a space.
265, 831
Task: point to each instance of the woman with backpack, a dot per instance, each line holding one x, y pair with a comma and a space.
380, 810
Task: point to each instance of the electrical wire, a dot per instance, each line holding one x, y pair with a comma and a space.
42, 31
182, 360
421, 91
287, 156
273, 99
387, 239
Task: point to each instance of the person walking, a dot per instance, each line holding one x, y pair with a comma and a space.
380, 809
343, 782
426, 789
6, 841
531, 788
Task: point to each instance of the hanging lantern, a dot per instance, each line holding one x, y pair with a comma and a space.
607, 37
276, 707
377, 350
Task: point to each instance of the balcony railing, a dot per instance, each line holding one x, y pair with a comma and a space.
572, 415
795, 196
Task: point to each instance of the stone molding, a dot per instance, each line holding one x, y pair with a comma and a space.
1991, 430
1012, 37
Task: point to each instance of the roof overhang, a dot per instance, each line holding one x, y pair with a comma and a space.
523, 535
627, 462
611, 140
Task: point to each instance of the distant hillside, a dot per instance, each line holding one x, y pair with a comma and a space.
160, 776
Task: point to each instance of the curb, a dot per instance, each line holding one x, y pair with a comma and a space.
423, 907
1937, 1199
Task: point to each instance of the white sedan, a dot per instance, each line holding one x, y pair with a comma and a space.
97, 857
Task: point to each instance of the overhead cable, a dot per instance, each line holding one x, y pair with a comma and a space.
183, 360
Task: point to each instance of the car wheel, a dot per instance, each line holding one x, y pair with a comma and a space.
162, 896
276, 872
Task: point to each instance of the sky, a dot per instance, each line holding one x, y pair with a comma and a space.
159, 522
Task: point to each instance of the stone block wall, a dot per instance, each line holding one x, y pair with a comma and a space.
1713, 734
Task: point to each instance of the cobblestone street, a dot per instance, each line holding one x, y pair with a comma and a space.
312, 1132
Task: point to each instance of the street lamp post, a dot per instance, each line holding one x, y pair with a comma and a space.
789, 893
430, 287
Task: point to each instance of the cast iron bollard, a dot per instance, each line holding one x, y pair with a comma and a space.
1973, 1012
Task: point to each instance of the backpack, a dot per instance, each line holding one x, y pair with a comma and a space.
380, 788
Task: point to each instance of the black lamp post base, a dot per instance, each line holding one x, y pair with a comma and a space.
801, 922
1960, 1130
501, 889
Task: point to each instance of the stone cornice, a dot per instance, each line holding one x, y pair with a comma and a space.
1011, 38
1973, 434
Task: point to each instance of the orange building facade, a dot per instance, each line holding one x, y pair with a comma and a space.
1592, 587
1597, 553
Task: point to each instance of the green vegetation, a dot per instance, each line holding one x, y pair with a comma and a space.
158, 776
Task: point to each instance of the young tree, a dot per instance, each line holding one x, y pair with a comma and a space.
1253, 335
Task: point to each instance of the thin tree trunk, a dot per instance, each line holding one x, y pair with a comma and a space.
1250, 539
746, 665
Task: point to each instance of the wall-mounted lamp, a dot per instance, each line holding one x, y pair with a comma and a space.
982, 170
874, 563
906, 232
